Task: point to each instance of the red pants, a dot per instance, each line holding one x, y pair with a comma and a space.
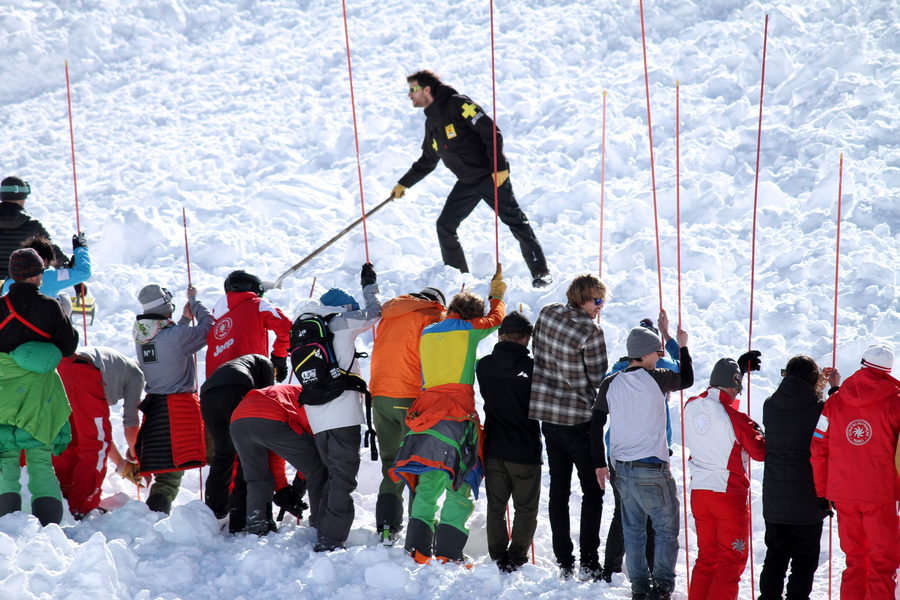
82, 467
723, 531
871, 540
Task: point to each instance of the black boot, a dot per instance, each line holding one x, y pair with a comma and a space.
419, 540
449, 543
159, 503
10, 502
388, 517
47, 509
257, 522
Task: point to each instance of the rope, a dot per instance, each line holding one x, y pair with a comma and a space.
602, 181
77, 212
753, 279
684, 485
837, 261
362, 201
652, 168
496, 187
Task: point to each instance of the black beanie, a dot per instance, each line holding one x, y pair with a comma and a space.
515, 323
14, 188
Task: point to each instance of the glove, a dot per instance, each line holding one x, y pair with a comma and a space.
750, 361
368, 276
398, 192
501, 178
290, 501
79, 241
130, 471
281, 368
827, 506
498, 286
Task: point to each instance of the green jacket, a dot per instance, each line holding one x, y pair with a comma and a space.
34, 410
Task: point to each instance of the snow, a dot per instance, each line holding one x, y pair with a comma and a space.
238, 111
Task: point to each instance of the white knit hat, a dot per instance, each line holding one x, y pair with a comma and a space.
879, 356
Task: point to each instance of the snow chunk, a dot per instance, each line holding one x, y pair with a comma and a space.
92, 574
387, 576
189, 524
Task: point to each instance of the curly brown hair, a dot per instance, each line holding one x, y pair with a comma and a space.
467, 305
805, 368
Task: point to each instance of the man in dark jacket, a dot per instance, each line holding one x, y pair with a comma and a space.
461, 134
791, 508
16, 225
512, 443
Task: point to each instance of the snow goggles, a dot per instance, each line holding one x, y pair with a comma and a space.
17, 189
414, 88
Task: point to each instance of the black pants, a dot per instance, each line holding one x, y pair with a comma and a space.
504, 480
339, 450
797, 544
569, 447
216, 406
462, 201
615, 539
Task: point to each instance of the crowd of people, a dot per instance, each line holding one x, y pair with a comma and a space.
302, 401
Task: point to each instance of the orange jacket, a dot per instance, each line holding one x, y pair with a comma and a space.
396, 368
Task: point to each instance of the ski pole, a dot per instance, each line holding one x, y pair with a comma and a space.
187, 253
77, 212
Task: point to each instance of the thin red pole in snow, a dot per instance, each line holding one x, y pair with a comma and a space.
684, 485
312, 288
762, 86
602, 182
187, 254
362, 201
837, 261
75, 183
496, 187
652, 168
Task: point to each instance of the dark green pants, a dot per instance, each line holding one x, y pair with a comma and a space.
167, 484
390, 427
503, 479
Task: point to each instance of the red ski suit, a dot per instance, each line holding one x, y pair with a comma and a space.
243, 322
82, 467
853, 466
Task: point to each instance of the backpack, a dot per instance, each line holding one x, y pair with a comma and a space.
314, 363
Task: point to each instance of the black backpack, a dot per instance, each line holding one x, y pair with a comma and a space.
314, 363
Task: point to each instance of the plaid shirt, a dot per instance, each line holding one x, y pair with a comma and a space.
569, 364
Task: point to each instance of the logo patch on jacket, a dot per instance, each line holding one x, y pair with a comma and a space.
859, 432
523, 374
222, 328
434, 144
148, 353
451, 132
469, 110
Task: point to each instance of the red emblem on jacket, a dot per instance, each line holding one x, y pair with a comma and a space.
859, 432
223, 327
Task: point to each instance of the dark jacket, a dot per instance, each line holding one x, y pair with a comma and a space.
253, 371
504, 378
461, 134
789, 418
16, 226
42, 312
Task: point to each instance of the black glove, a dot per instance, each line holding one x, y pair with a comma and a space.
750, 359
368, 277
287, 499
827, 506
79, 241
281, 368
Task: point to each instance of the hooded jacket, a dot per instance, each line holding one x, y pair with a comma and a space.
504, 380
396, 367
243, 322
345, 410
39, 310
277, 403
56, 280
16, 226
461, 134
789, 491
855, 438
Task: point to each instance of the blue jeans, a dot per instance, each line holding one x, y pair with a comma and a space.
649, 492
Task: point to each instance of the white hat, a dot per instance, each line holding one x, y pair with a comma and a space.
879, 356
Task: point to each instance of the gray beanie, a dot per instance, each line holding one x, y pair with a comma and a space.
727, 374
641, 342
156, 300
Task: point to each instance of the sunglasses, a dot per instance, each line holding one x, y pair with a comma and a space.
415, 88
660, 353
599, 301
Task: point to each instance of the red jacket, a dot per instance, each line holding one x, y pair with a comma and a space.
276, 402
243, 322
855, 439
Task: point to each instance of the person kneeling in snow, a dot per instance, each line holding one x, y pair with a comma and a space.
442, 449
720, 439
35, 334
95, 379
171, 437
271, 419
853, 465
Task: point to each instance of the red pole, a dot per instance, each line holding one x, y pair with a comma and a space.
684, 485
837, 261
652, 168
312, 288
75, 183
187, 253
602, 182
753, 275
496, 187
362, 201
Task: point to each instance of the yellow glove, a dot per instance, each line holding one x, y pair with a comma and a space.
398, 191
498, 286
501, 178
132, 472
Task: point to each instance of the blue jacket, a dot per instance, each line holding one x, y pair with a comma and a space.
56, 280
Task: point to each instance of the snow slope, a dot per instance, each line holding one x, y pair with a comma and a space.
239, 112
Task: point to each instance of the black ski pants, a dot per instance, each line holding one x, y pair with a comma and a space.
615, 539
339, 450
462, 201
568, 447
797, 544
216, 406
504, 479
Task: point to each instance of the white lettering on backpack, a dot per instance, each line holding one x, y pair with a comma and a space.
223, 347
308, 376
